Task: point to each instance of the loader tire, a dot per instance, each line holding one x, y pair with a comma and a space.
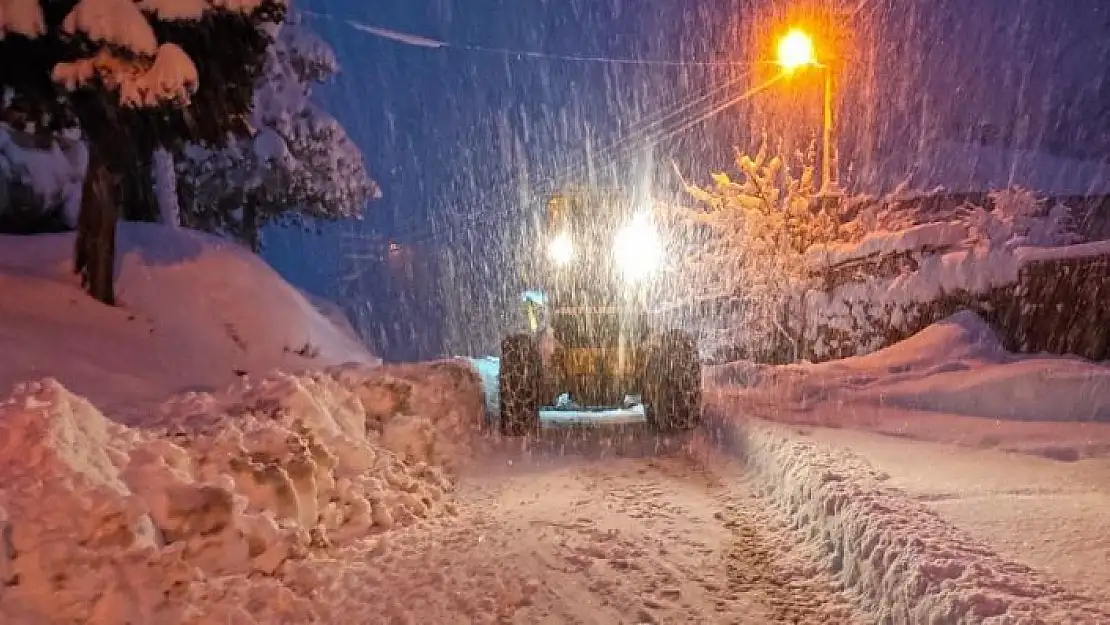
672, 383
519, 384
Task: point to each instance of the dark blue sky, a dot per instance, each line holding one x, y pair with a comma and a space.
452, 133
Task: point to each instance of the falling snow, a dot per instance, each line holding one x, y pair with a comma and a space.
902, 316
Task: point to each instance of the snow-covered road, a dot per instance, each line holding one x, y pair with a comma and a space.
569, 539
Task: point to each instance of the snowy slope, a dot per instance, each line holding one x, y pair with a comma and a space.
194, 310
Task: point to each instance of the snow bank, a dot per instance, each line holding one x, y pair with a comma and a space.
956, 366
214, 510
904, 562
196, 312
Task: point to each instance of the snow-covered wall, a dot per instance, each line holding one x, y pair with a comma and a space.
1017, 259
1039, 299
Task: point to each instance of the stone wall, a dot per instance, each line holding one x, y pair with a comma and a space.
1059, 306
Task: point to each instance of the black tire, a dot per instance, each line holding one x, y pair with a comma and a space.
672, 383
519, 385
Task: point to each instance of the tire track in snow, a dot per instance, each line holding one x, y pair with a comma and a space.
792, 593
663, 540
554, 539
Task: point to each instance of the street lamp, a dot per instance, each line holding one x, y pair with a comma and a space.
796, 51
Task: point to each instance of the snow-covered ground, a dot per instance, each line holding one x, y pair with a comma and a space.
979, 492
353, 493
186, 493
908, 560
196, 483
195, 312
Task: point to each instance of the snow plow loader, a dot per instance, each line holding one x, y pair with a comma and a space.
589, 354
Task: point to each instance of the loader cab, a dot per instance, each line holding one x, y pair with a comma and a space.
600, 248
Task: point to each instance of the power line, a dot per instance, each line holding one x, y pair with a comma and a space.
667, 133
421, 41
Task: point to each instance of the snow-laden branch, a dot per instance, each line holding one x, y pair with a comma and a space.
171, 77
116, 22
160, 73
195, 9
299, 164
175, 9
22, 17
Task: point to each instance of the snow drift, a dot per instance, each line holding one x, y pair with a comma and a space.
220, 507
195, 312
957, 366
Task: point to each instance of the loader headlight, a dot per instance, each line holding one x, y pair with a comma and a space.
638, 249
561, 250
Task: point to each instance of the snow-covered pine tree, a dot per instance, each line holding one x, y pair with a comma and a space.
744, 254
131, 76
299, 166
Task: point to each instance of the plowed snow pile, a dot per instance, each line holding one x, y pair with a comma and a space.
904, 561
215, 512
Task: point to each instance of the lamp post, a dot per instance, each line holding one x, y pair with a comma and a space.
796, 51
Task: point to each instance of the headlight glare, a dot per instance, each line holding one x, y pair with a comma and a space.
638, 249
561, 250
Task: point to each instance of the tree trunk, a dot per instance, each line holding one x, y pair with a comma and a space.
165, 187
95, 254
249, 232
137, 195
